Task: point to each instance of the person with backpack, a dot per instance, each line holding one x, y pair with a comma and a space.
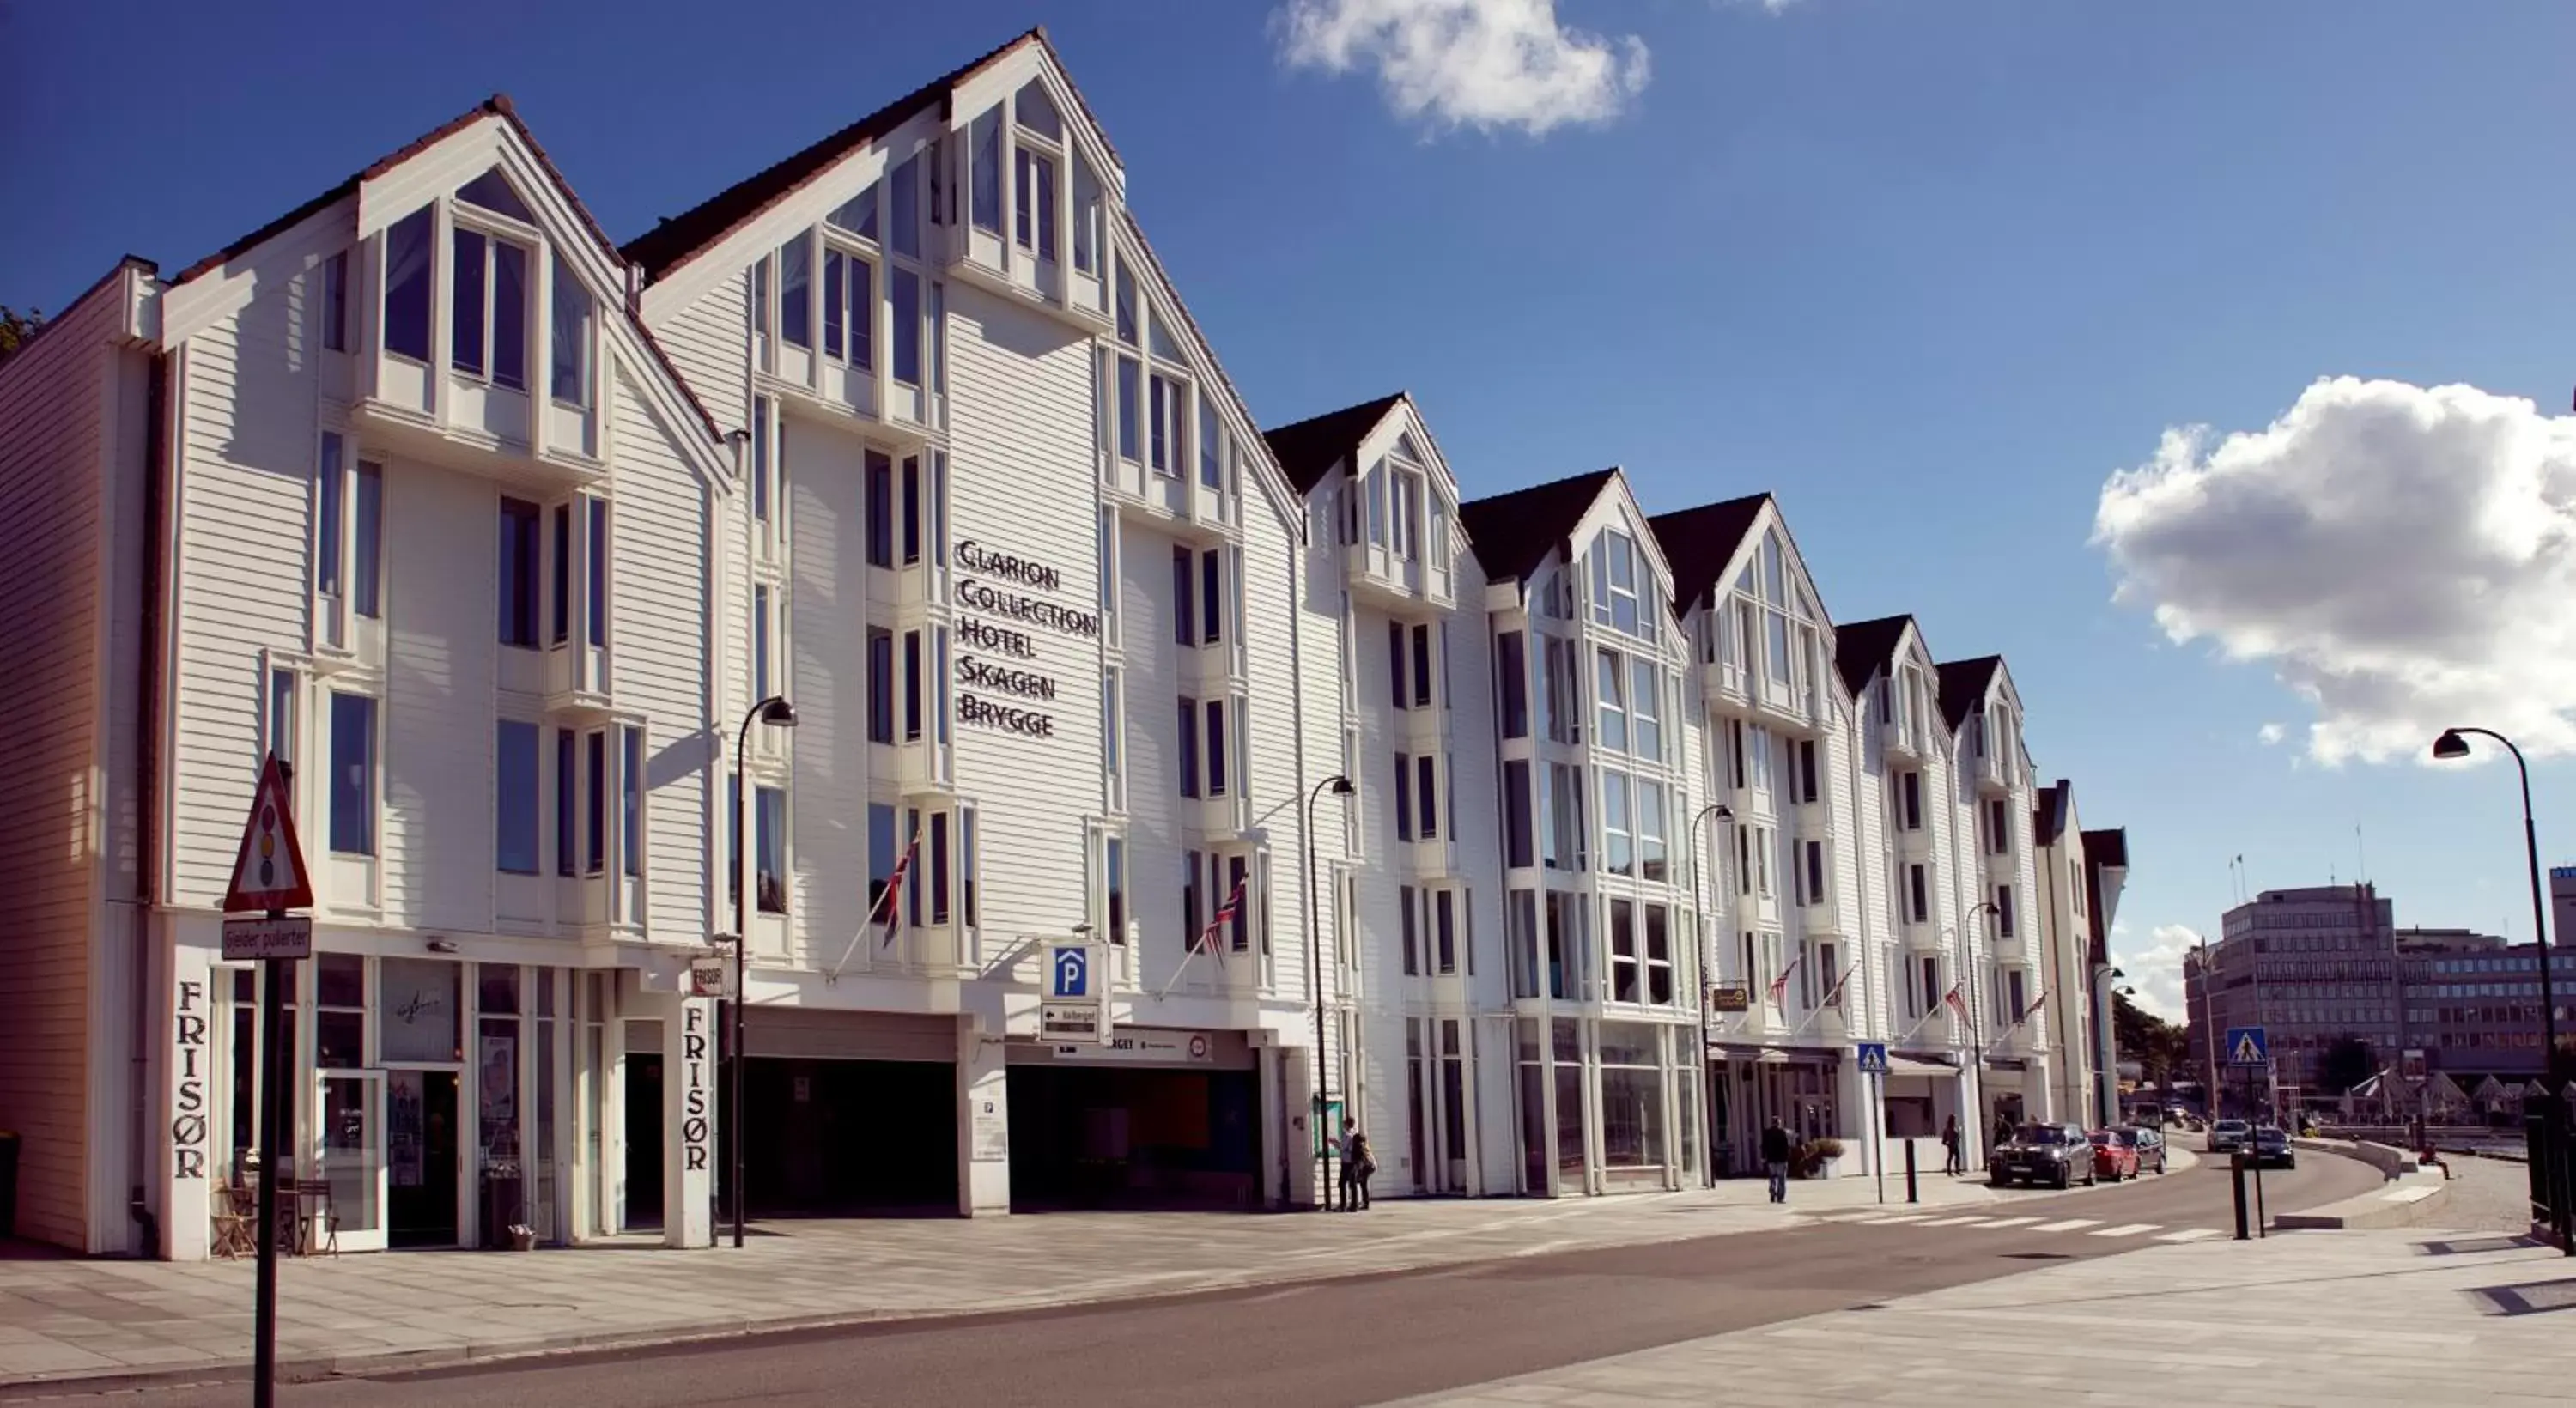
1361, 1161
1775, 1158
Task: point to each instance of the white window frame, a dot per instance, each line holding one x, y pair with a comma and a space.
531, 242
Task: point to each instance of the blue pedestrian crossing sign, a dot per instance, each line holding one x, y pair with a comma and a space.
1872, 1057
2247, 1047
1070, 971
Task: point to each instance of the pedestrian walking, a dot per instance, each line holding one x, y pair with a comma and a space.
1950, 1163
1364, 1160
1350, 1184
1775, 1157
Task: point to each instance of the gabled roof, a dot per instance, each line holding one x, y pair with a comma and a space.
680, 238
2048, 813
1515, 532
1865, 648
1964, 684
1308, 449
1702, 542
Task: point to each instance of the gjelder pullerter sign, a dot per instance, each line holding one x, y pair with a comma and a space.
990, 681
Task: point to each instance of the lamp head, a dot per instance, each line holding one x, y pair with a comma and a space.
1339, 786
2450, 745
779, 712
1725, 812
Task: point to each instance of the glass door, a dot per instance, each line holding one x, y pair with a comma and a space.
353, 1157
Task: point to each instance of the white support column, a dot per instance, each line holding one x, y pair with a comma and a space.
1297, 1094
689, 1144
983, 1123
185, 1161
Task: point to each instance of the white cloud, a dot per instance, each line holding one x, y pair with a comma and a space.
2403, 558
1472, 63
2271, 734
2154, 967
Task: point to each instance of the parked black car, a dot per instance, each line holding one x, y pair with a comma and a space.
2272, 1147
2056, 1154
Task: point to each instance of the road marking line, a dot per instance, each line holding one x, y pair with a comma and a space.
2192, 1234
2068, 1225
2010, 1221
1950, 1221
1895, 1221
2129, 1230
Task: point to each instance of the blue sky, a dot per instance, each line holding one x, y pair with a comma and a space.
1930, 270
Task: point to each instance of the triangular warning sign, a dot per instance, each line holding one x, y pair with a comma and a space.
2247, 1053
269, 873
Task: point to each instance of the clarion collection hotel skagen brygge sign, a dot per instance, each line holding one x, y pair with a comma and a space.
990, 594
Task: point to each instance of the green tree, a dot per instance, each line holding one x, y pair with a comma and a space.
2161, 1049
16, 328
2346, 1062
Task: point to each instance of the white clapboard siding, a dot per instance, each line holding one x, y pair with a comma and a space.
661, 566
443, 647
828, 601
710, 343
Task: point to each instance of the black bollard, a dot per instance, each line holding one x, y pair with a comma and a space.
1912, 1195
2236, 1174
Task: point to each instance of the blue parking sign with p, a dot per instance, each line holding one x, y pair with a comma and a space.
1071, 970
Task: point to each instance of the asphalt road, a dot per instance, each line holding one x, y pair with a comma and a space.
1356, 1341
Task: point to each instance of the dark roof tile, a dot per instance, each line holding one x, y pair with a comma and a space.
1700, 542
1514, 532
1963, 686
1308, 449
1864, 648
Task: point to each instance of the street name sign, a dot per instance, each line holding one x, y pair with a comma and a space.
289, 937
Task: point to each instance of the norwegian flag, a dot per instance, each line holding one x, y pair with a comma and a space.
1957, 1003
2032, 1010
1780, 987
892, 900
1834, 997
1210, 937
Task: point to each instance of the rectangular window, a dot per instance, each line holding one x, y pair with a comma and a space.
769, 836
519, 576
1403, 797
938, 860
595, 804
796, 291
1211, 596
1516, 813
514, 790
2004, 910
1918, 895
598, 604
1426, 795
1654, 857
407, 285
1421, 667
1910, 800
836, 302
1618, 849
880, 490
1611, 683
913, 510
335, 302
912, 686
1814, 878
1185, 629
1113, 880
330, 517
568, 372
567, 803
1189, 746
1998, 826
1191, 870
1444, 930
1211, 446
1216, 754
1110, 719
1623, 951
760, 643
984, 182
1086, 216
1512, 666
353, 774
1128, 373
1647, 708
1238, 891
903, 288
1409, 923
880, 685
760, 438
1806, 770
1033, 217
281, 716
631, 802
563, 574
366, 537
1163, 430
1659, 955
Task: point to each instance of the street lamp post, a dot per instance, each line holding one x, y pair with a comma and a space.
1339, 786
1708, 1101
1976, 1042
2452, 744
774, 710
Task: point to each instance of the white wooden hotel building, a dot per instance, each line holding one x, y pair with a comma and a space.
499, 531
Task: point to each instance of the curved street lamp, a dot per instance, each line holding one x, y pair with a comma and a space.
2453, 744
1976, 1040
776, 711
1340, 786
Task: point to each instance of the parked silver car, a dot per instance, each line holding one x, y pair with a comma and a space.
2228, 1136
2056, 1154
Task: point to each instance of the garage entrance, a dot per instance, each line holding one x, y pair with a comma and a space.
837, 1138
1134, 1137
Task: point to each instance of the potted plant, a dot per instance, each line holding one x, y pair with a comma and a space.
523, 1238
1817, 1158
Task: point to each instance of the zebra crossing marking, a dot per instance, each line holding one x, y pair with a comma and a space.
2069, 1225
1950, 1221
2129, 1230
2011, 1221
2192, 1234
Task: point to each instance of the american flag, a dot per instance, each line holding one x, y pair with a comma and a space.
1957, 1003
1209, 937
1834, 996
892, 900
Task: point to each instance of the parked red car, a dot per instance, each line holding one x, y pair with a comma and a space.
2111, 1158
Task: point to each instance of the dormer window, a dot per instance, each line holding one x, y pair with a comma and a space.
569, 380
985, 185
1616, 589
407, 285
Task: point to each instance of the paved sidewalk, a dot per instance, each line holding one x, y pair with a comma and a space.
2330, 1319
88, 1320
